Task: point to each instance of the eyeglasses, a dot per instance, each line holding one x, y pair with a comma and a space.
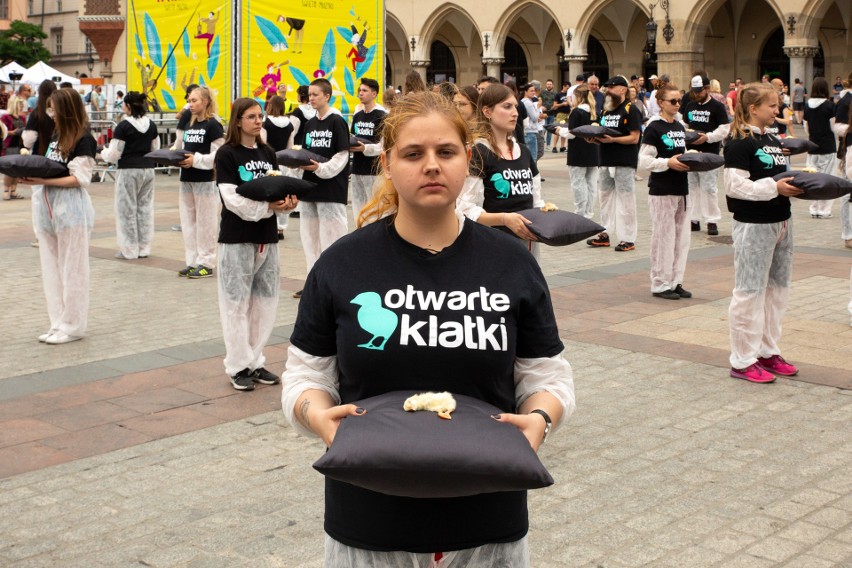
673, 101
461, 104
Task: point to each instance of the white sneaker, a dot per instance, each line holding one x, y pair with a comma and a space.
43, 337
59, 338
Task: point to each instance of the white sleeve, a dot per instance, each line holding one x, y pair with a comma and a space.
549, 374
538, 201
245, 208
82, 168
739, 186
178, 145
113, 152
848, 169
807, 131
155, 143
839, 129
306, 372
471, 198
565, 133
373, 150
207, 161
719, 134
30, 137
648, 160
334, 166
263, 135
296, 124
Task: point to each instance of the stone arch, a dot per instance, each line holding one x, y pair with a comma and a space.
508, 18
442, 15
596, 10
397, 50
703, 12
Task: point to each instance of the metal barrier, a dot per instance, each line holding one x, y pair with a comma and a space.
103, 123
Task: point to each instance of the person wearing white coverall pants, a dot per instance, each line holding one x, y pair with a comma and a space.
248, 268
134, 137
199, 200
819, 127
63, 217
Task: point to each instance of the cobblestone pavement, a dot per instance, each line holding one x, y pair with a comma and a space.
130, 448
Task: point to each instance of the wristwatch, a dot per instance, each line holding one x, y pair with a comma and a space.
547, 422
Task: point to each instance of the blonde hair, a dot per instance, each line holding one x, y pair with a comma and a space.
715, 86
209, 108
385, 200
752, 94
584, 96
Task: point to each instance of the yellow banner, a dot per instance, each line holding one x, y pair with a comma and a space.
174, 43
297, 41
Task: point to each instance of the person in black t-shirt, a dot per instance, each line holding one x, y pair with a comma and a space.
763, 237
199, 203
619, 158
846, 205
304, 112
504, 178
663, 141
63, 218
278, 131
416, 241
819, 114
248, 272
708, 116
367, 124
134, 137
323, 211
584, 159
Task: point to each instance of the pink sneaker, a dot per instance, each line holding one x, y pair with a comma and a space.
753, 373
776, 364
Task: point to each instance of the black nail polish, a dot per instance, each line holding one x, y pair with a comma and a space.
360, 410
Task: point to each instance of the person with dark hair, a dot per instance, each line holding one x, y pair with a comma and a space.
799, 95
65, 85
843, 130
819, 126
134, 137
300, 117
323, 211
484, 83
584, 158
278, 132
413, 83
467, 101
367, 124
63, 217
39, 130
522, 112
14, 125
248, 267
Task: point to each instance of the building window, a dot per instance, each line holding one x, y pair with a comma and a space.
4, 9
58, 5
57, 42
88, 45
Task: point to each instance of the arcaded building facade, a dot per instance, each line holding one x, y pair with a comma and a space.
462, 40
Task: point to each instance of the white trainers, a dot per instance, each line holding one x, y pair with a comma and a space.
59, 338
43, 337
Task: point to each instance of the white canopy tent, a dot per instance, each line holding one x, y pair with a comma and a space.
12, 67
41, 71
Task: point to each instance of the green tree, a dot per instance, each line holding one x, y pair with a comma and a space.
22, 43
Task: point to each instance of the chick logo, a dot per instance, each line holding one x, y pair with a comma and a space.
668, 142
308, 140
765, 159
689, 116
375, 319
502, 186
245, 175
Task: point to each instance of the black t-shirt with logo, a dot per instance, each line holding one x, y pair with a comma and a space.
197, 137
669, 140
705, 117
779, 128
398, 317
819, 127
367, 125
327, 137
508, 183
761, 156
581, 153
841, 110
136, 145
299, 140
625, 118
85, 146
237, 165
277, 136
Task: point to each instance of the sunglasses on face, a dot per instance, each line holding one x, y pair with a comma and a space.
673, 101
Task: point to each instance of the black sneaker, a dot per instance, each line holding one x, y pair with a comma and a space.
712, 229
294, 215
624, 246
261, 375
200, 272
666, 294
602, 240
242, 381
298, 294
681, 292
563, 149
695, 225
555, 150
185, 271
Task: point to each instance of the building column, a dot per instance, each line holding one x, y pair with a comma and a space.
802, 63
678, 64
575, 65
420, 66
492, 66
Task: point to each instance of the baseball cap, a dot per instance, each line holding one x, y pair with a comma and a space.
652, 77
617, 81
698, 83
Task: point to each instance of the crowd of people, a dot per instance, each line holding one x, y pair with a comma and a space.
425, 295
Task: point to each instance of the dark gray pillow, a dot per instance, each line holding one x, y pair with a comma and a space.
816, 185
275, 188
418, 454
560, 228
20, 166
798, 145
296, 158
355, 140
168, 157
701, 161
691, 136
595, 130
